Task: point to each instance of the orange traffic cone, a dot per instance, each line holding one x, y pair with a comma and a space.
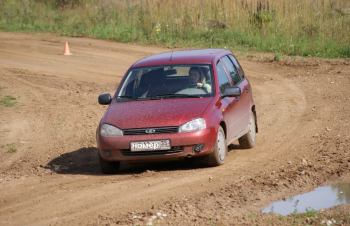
66, 50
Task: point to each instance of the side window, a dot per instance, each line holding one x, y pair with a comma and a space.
222, 77
237, 65
236, 78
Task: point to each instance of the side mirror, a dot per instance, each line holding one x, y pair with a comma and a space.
231, 92
104, 99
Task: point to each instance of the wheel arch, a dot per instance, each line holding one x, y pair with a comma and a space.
223, 125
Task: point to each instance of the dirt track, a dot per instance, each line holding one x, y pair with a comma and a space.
52, 176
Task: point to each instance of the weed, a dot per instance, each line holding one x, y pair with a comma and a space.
310, 213
252, 216
277, 57
10, 148
8, 101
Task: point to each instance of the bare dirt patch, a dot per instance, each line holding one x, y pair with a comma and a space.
53, 176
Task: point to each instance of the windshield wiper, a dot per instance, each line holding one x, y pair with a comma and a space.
137, 98
161, 96
174, 95
126, 97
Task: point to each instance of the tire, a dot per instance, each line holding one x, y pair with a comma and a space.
217, 157
248, 140
108, 167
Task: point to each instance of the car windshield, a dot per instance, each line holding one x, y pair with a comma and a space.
175, 81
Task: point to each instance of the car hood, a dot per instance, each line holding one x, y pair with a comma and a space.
155, 113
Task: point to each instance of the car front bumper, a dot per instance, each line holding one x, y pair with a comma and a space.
182, 145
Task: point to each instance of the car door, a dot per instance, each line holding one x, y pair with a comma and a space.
230, 105
247, 94
243, 103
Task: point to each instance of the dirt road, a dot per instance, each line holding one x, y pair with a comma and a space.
49, 172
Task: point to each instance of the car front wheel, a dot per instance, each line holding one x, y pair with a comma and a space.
217, 157
248, 140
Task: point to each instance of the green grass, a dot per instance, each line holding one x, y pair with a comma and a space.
310, 217
308, 213
10, 148
8, 101
299, 27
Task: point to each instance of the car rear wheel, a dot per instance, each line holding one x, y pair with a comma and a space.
108, 167
248, 140
217, 157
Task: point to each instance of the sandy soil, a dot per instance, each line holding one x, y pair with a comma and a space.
49, 174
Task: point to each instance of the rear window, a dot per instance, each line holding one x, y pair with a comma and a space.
168, 81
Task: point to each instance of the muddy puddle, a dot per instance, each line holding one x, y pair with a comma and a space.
321, 198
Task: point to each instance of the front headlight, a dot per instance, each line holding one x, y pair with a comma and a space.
110, 131
194, 125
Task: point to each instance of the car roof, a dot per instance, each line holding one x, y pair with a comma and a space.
197, 56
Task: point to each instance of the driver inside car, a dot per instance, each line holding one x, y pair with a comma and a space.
197, 79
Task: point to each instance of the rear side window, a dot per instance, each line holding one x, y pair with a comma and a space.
222, 77
237, 65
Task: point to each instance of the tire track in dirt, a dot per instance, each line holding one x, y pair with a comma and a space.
60, 106
234, 165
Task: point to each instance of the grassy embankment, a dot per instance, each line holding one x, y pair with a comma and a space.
298, 27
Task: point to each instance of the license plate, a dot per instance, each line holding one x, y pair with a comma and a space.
150, 145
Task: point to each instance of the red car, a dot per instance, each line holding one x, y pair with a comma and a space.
177, 105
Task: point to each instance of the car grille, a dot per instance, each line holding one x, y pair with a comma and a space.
173, 150
143, 131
